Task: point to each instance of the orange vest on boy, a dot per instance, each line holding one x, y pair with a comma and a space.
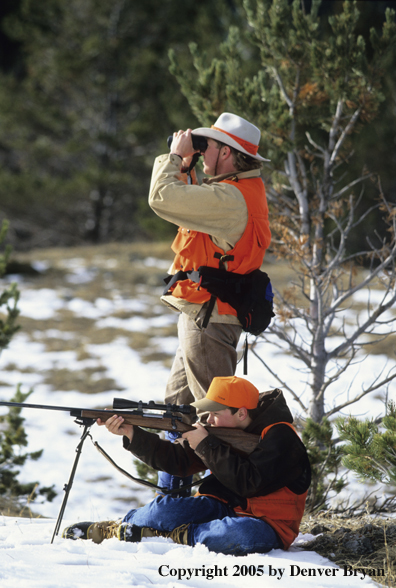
194, 249
282, 509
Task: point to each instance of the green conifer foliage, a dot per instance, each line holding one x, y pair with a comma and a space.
12, 433
94, 104
12, 438
8, 298
325, 458
370, 450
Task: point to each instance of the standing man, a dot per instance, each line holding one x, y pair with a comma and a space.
223, 223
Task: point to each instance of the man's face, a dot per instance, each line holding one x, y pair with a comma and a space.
223, 418
210, 158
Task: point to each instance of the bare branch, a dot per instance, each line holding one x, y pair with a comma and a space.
369, 390
363, 328
351, 184
314, 144
282, 88
344, 134
335, 124
281, 382
376, 271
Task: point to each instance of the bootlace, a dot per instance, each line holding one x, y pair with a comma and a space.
110, 530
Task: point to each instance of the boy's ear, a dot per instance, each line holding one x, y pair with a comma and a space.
243, 412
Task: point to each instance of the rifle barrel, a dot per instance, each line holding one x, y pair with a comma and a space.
39, 406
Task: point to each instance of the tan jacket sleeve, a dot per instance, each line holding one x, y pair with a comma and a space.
217, 209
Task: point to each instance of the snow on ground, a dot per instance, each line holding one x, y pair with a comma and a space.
30, 560
100, 492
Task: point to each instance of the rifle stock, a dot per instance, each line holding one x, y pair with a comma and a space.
241, 442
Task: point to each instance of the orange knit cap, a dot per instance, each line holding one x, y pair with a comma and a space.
227, 392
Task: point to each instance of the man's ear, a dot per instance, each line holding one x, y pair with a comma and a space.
225, 152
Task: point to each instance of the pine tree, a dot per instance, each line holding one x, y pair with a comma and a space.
8, 298
12, 433
370, 450
12, 438
95, 102
325, 459
318, 84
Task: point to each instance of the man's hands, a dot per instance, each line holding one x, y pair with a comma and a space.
182, 146
115, 425
195, 437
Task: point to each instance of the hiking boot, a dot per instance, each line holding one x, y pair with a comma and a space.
129, 532
103, 530
77, 531
95, 531
178, 535
123, 531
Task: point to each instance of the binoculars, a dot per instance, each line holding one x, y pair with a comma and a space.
199, 143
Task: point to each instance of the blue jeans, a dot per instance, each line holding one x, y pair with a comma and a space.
212, 523
171, 482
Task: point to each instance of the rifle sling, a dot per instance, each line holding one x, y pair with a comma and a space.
145, 482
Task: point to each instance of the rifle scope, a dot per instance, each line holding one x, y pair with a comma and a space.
199, 143
122, 403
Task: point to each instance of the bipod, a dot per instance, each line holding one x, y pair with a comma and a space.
87, 424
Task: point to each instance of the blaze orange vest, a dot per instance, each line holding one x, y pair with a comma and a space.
194, 249
282, 509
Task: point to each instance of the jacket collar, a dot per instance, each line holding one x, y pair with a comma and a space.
252, 173
272, 408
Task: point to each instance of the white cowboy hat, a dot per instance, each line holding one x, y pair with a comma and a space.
236, 132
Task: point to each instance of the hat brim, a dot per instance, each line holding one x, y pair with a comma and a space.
206, 404
223, 138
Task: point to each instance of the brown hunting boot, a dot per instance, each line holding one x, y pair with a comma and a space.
95, 531
178, 535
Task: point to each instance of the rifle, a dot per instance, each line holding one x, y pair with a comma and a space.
170, 420
241, 442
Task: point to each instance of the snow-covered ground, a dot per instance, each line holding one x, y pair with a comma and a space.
99, 491
29, 560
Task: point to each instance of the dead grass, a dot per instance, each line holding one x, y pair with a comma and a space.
363, 543
122, 264
12, 506
112, 268
87, 381
119, 268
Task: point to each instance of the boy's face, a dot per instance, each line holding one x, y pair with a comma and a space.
223, 418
